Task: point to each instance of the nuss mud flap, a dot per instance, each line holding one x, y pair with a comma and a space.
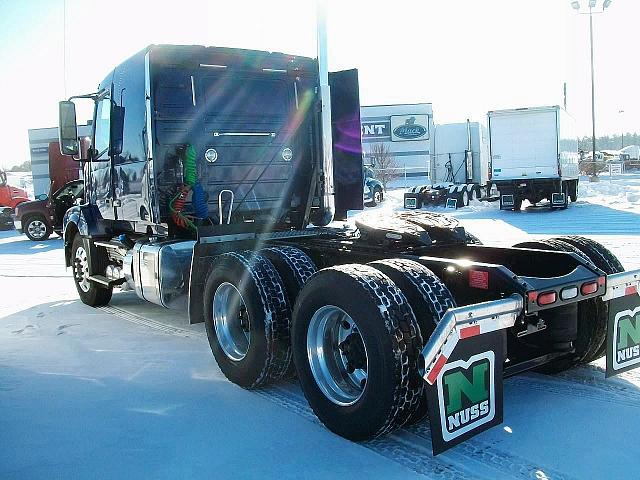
623, 334
466, 398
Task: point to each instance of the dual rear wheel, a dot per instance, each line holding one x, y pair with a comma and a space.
352, 332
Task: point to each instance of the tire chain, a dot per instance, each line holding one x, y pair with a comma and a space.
406, 340
277, 315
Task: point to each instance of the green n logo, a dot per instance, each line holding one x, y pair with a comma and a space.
457, 384
629, 328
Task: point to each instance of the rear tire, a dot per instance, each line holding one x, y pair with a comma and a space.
247, 318
368, 304
608, 263
90, 293
295, 268
592, 320
428, 297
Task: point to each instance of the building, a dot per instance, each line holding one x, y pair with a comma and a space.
39, 139
405, 130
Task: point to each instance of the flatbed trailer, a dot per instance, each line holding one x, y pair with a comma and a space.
226, 210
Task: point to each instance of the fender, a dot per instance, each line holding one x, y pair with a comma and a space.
85, 220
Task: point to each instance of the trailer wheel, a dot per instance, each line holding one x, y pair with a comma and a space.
428, 297
356, 344
90, 293
247, 318
608, 263
573, 191
464, 197
592, 317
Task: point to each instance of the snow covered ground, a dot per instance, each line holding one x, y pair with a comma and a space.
132, 391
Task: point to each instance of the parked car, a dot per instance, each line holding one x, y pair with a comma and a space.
10, 196
39, 218
6, 218
373, 188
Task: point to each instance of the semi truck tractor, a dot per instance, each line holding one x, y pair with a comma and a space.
217, 182
534, 156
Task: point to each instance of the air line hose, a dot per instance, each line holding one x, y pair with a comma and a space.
198, 198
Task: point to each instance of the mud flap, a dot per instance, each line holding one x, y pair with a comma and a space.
623, 333
466, 396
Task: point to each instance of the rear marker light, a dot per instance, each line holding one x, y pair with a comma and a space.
547, 298
589, 288
601, 281
479, 279
569, 293
632, 290
532, 296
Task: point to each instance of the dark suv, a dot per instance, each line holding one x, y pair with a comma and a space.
39, 218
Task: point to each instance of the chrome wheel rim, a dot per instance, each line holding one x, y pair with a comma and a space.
37, 228
231, 321
465, 198
337, 355
377, 196
81, 270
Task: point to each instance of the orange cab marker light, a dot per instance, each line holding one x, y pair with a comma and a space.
547, 298
589, 288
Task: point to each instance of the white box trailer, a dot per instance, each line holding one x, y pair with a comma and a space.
405, 131
534, 156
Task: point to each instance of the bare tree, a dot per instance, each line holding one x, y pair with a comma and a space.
384, 163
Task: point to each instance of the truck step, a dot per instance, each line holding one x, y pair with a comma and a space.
107, 282
112, 244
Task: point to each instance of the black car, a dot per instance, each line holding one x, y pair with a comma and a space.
6, 218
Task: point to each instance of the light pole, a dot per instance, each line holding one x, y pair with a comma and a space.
621, 131
592, 4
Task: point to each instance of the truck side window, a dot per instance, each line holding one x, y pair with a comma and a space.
103, 116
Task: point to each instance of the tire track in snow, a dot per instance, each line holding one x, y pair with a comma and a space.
591, 388
403, 446
147, 322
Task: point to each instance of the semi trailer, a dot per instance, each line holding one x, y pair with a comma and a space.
214, 183
534, 156
460, 169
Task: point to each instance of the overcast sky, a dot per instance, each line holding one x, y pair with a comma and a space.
464, 56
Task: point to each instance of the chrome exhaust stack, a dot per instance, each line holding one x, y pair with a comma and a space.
327, 208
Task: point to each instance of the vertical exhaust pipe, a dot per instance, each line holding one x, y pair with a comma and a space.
327, 191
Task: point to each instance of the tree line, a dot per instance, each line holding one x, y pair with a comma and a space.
609, 142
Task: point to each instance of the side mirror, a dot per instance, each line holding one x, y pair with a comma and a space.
116, 130
42, 197
68, 129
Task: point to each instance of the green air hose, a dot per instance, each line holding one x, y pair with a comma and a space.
189, 166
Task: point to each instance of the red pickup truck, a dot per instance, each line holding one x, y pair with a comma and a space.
10, 196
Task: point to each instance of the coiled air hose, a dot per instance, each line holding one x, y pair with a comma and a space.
198, 198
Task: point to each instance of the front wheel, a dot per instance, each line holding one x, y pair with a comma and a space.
90, 293
378, 196
37, 229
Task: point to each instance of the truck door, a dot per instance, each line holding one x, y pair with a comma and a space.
348, 174
101, 191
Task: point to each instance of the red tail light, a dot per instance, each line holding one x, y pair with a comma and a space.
547, 298
589, 288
